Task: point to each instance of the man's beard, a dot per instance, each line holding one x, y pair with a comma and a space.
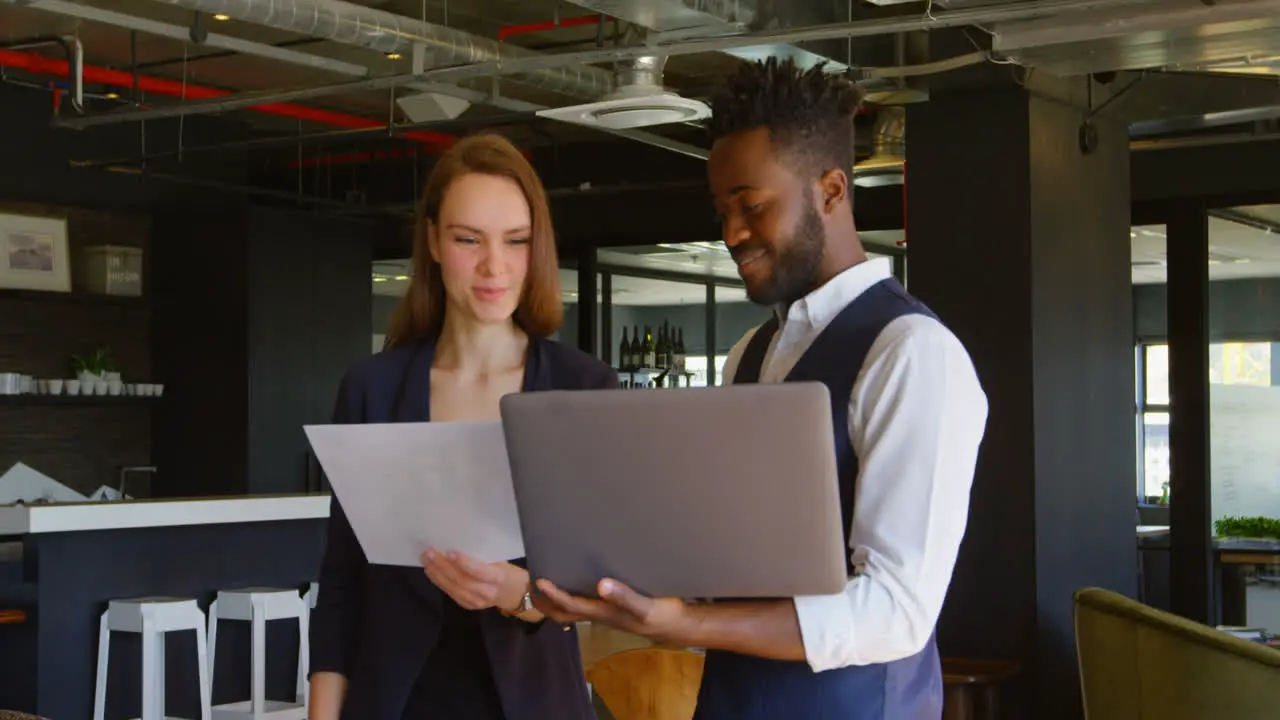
796, 266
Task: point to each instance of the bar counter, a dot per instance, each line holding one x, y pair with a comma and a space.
66, 561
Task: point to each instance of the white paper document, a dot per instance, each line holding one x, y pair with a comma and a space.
409, 486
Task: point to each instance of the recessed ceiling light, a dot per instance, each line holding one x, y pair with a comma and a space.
393, 56
220, 16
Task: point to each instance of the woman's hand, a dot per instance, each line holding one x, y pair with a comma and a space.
476, 585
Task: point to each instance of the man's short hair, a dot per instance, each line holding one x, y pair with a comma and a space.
809, 113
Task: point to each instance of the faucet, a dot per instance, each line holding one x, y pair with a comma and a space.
125, 471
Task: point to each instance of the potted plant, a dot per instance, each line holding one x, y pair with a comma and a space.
93, 367
1247, 531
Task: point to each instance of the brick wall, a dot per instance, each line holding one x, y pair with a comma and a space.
82, 445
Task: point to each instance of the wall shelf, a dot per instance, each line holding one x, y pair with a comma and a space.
75, 298
78, 400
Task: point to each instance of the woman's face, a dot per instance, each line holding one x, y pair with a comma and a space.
482, 245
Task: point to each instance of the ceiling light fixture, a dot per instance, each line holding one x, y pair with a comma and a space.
220, 16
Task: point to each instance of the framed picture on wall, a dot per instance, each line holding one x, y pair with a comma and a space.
33, 253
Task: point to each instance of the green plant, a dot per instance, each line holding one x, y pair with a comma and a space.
95, 363
1247, 527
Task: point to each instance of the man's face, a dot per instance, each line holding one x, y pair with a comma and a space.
768, 217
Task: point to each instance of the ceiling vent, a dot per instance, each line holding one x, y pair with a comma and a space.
639, 100
431, 107
889, 150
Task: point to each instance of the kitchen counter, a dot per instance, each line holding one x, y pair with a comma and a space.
121, 514
73, 558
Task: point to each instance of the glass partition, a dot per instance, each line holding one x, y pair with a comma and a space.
1244, 411
1244, 401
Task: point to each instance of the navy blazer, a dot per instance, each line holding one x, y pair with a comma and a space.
377, 624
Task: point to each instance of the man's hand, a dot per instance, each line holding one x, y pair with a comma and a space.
476, 585
669, 621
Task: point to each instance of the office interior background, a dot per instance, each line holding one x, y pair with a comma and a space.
1085, 192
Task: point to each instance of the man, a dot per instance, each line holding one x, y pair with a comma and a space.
906, 440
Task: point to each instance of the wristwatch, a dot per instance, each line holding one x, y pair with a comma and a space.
526, 604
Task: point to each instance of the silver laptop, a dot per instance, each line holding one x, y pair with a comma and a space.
728, 492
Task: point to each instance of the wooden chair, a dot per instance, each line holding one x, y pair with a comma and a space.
653, 683
971, 687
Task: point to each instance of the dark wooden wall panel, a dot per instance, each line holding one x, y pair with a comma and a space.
311, 303
201, 312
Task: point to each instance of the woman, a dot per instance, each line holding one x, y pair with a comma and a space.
460, 640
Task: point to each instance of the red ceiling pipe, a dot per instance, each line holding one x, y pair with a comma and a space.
545, 25
41, 65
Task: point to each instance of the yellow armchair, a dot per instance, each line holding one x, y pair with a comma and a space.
1139, 663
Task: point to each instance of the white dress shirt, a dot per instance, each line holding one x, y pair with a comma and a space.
916, 418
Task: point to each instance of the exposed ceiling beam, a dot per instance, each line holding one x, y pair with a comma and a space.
281, 54
520, 66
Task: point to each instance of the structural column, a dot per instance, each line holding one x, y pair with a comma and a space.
1019, 240
1190, 549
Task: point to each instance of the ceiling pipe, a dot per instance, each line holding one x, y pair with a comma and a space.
74, 50
41, 65
508, 30
182, 34
386, 32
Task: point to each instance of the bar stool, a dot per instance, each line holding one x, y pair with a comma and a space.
304, 683
151, 618
256, 606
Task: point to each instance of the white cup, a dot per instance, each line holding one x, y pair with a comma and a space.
99, 387
114, 387
55, 386
73, 387
159, 389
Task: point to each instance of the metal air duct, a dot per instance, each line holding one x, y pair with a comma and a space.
386, 32
889, 150
671, 19
1171, 34
706, 17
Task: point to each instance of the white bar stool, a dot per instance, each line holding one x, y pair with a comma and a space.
304, 683
257, 606
151, 618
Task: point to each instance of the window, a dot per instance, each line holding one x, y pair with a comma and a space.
698, 366
1230, 363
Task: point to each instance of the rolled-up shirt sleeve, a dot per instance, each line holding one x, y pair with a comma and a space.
916, 420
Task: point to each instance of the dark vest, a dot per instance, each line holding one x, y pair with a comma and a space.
741, 687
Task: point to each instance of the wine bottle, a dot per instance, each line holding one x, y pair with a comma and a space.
637, 349
680, 355
660, 357
624, 352
669, 346
650, 349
